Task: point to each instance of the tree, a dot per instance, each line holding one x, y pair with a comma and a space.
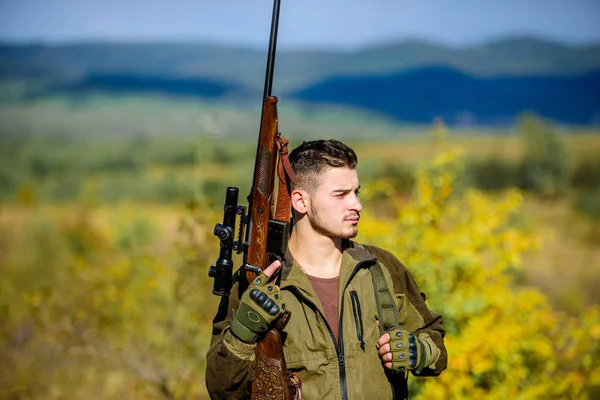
544, 158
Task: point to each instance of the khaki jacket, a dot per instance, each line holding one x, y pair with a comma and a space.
350, 370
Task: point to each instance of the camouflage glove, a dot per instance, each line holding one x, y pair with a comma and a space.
260, 305
408, 351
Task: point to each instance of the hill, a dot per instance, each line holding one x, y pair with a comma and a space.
422, 95
295, 69
411, 81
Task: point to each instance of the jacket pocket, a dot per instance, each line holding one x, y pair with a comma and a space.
358, 320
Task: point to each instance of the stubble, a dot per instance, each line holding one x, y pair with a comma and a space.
318, 226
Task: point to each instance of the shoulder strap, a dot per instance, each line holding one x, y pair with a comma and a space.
388, 319
284, 172
386, 306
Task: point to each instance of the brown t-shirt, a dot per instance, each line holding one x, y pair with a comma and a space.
327, 291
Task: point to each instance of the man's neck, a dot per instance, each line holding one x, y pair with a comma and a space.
319, 256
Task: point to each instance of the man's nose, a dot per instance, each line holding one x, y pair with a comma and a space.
356, 205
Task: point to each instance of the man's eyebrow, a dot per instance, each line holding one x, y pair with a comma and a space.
344, 190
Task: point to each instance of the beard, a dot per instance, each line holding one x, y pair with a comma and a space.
318, 225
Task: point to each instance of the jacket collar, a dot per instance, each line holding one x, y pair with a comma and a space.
354, 253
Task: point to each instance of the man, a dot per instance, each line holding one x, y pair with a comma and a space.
359, 321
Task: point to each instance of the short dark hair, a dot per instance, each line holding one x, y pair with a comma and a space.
310, 159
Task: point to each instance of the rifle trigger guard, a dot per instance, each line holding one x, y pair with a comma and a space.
296, 384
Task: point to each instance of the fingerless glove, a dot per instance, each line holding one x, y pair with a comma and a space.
260, 305
408, 351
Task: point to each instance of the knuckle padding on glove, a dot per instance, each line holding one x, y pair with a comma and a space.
257, 310
404, 349
264, 302
412, 350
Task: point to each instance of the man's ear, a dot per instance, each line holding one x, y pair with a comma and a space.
299, 200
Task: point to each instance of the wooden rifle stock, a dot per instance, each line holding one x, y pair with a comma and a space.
271, 379
263, 186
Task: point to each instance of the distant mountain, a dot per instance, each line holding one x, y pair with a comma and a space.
413, 81
422, 95
294, 69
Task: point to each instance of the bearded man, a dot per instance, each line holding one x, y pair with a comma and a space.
359, 321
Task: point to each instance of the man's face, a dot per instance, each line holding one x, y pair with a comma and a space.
334, 207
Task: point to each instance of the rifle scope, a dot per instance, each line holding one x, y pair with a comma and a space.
223, 268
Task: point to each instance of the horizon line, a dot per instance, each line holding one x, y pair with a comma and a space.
303, 48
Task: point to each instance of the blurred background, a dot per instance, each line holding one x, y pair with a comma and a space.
477, 127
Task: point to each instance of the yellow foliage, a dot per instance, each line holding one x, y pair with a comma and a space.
465, 249
118, 302
106, 299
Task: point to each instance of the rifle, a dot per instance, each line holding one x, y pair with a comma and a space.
266, 238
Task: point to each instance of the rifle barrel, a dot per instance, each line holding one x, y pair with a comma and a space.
267, 93
272, 49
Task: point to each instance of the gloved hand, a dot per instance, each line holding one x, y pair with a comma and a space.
260, 305
402, 351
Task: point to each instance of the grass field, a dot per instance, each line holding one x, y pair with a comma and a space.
477, 145
99, 243
567, 267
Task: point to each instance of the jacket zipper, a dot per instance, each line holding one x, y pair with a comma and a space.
340, 355
339, 347
358, 322
344, 386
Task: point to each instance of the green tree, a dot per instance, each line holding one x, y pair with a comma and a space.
545, 156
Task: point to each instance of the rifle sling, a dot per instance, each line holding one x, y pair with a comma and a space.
284, 172
386, 307
388, 318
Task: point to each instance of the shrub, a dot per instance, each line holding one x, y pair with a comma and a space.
545, 157
585, 175
588, 202
493, 174
504, 341
105, 307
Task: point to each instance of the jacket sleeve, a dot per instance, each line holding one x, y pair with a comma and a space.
229, 361
414, 315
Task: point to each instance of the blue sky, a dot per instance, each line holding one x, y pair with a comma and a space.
343, 24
